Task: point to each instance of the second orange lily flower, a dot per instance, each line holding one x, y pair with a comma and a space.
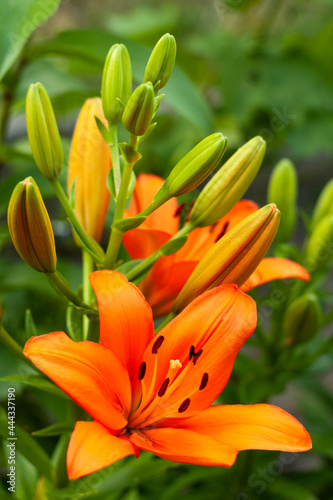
168, 276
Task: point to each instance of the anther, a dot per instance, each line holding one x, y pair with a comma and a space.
185, 404
179, 209
204, 381
222, 233
157, 344
163, 387
194, 355
142, 370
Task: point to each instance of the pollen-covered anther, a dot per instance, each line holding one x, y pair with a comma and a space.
142, 370
185, 404
163, 387
175, 364
204, 381
157, 344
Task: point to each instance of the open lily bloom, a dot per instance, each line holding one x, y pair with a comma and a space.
168, 276
155, 393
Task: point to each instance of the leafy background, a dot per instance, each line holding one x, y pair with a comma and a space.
244, 67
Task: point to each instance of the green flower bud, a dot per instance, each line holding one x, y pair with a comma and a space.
116, 83
229, 184
302, 319
282, 190
194, 167
30, 227
319, 250
161, 62
324, 205
43, 132
139, 110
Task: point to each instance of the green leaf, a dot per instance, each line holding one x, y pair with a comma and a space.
128, 266
28, 447
174, 245
36, 381
18, 20
30, 326
54, 429
124, 225
74, 323
92, 46
130, 154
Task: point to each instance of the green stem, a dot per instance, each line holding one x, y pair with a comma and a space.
63, 288
116, 235
113, 129
90, 243
88, 267
150, 261
12, 345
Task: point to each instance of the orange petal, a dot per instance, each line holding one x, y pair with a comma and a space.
89, 373
166, 279
93, 447
275, 268
185, 446
219, 322
125, 318
256, 427
140, 243
165, 217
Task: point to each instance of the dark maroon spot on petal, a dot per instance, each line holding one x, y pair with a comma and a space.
179, 209
157, 344
185, 404
222, 233
204, 381
192, 353
197, 356
163, 387
142, 370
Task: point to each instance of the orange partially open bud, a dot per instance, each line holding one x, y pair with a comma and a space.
89, 163
234, 257
30, 227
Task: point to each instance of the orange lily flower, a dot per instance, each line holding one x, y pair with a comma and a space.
155, 393
168, 276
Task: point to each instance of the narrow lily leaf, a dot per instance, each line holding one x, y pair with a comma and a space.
28, 447
74, 323
147, 134
72, 194
174, 245
105, 133
54, 429
130, 154
36, 381
30, 326
128, 266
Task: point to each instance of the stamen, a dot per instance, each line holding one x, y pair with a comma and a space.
185, 404
142, 370
194, 355
179, 209
163, 387
197, 356
175, 364
222, 233
204, 381
157, 344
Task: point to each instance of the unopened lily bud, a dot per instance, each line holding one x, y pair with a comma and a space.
30, 227
89, 165
229, 184
139, 110
194, 167
234, 257
282, 190
324, 205
43, 132
319, 250
302, 319
161, 62
116, 82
